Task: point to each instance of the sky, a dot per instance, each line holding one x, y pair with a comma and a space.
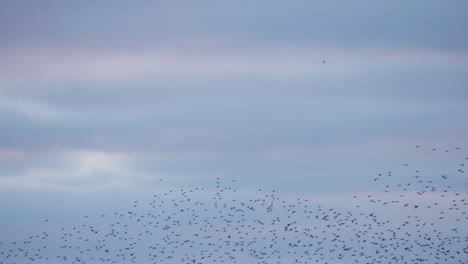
101, 99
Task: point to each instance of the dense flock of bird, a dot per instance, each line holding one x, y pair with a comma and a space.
422, 219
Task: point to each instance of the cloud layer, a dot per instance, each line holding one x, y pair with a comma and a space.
247, 89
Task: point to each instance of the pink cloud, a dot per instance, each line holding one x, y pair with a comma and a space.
96, 65
11, 154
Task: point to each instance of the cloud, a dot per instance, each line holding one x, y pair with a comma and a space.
432, 23
98, 101
11, 155
83, 171
238, 124
84, 66
220, 88
32, 109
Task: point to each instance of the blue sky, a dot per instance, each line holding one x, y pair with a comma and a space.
100, 99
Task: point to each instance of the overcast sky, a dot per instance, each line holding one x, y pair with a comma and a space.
103, 98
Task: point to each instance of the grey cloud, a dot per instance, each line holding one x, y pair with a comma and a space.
405, 79
238, 124
90, 119
267, 122
121, 24
346, 102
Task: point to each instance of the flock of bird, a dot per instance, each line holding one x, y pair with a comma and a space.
420, 220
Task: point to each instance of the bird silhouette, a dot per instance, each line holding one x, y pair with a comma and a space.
422, 219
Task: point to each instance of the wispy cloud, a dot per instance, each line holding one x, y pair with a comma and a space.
83, 170
7, 155
29, 108
95, 65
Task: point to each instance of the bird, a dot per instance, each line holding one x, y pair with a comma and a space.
222, 223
